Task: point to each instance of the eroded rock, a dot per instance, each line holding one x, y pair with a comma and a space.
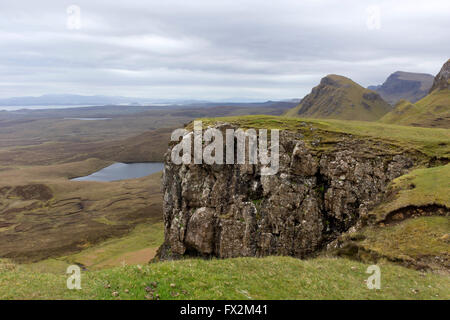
318, 193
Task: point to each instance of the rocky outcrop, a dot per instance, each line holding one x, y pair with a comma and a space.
321, 190
442, 79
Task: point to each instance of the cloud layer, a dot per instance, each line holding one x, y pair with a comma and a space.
211, 49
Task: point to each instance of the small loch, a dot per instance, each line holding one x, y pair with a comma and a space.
121, 171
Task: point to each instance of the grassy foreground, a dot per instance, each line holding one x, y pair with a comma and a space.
240, 278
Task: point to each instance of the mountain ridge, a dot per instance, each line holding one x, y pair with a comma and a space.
404, 85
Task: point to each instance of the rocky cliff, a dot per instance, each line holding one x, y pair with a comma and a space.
442, 79
325, 185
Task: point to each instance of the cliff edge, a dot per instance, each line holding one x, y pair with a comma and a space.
327, 183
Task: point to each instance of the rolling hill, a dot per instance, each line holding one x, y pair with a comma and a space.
338, 97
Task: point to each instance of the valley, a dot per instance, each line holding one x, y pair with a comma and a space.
44, 215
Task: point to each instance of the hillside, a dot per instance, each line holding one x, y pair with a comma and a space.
337, 97
431, 111
404, 85
411, 227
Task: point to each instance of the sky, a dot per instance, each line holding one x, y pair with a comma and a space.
214, 49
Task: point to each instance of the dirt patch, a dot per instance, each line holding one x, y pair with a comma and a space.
414, 212
142, 256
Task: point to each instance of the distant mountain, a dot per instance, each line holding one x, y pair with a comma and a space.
404, 85
338, 97
101, 100
431, 111
75, 99
65, 99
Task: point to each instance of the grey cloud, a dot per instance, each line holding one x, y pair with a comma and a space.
213, 49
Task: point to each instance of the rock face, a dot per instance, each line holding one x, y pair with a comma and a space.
404, 85
319, 192
338, 97
442, 79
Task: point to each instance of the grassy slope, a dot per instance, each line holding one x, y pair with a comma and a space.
241, 278
420, 242
421, 187
137, 247
347, 100
432, 110
432, 142
401, 110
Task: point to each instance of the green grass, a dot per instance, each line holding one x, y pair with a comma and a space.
420, 187
402, 109
430, 141
432, 110
411, 240
421, 242
240, 278
108, 253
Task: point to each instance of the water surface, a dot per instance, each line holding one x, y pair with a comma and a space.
122, 171
87, 119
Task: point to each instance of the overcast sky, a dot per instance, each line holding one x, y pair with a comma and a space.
211, 49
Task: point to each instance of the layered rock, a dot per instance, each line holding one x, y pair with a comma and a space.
442, 79
320, 191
